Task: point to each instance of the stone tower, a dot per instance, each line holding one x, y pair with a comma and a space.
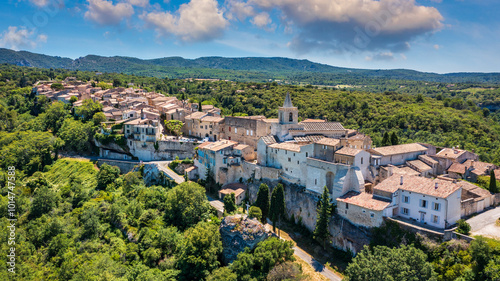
288, 114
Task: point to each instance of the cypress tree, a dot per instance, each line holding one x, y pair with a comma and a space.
229, 203
394, 139
386, 140
263, 201
324, 210
493, 182
199, 106
277, 208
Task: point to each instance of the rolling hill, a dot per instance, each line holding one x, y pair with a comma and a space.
258, 69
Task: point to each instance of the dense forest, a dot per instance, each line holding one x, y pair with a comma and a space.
77, 222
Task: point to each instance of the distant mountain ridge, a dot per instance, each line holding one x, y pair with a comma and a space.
249, 68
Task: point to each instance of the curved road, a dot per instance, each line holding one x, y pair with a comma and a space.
316, 265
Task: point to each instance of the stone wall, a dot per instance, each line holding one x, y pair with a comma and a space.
125, 166
167, 150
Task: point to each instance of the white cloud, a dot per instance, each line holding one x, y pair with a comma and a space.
436, 47
239, 10
196, 21
385, 25
261, 20
105, 13
139, 3
40, 3
17, 38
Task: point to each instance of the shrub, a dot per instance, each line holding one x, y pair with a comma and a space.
463, 227
255, 212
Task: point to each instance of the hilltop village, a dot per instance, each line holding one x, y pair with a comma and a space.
417, 183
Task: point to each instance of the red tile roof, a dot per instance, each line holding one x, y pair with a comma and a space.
364, 200
419, 185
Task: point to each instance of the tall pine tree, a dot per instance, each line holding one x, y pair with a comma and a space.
324, 210
263, 201
493, 182
394, 139
277, 209
386, 140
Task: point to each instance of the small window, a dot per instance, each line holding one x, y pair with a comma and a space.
229, 129
406, 211
372, 215
435, 219
361, 160
289, 159
423, 203
298, 162
307, 154
347, 205
235, 130
315, 181
437, 206
247, 132
406, 199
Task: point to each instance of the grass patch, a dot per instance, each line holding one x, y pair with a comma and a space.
59, 172
308, 271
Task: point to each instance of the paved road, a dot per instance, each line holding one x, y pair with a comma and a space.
217, 204
316, 265
163, 166
484, 223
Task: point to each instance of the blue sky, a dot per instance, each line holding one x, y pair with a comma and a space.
427, 35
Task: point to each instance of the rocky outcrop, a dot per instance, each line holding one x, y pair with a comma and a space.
239, 232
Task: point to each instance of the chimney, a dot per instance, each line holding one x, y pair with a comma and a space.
401, 180
436, 186
472, 163
142, 113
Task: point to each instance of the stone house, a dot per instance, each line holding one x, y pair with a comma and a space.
433, 202
396, 154
245, 129
238, 189
143, 130
447, 156
325, 148
474, 198
354, 157
362, 209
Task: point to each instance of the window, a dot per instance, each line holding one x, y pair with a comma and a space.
347, 205
298, 162
210, 126
435, 219
406, 211
361, 160
307, 154
289, 159
372, 215
247, 132
235, 130
437, 206
229, 129
406, 199
224, 161
205, 127
294, 154
251, 132
423, 203
201, 127
291, 117
315, 181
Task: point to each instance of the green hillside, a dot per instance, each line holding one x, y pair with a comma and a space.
256, 69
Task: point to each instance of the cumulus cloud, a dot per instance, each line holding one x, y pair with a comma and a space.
196, 21
239, 10
262, 20
139, 3
18, 38
353, 25
105, 13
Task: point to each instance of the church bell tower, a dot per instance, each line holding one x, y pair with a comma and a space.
288, 114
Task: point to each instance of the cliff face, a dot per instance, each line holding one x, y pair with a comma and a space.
239, 232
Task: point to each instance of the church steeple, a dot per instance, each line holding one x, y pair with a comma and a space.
288, 114
288, 101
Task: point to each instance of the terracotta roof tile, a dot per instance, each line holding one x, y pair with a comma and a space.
323, 126
421, 166
269, 139
457, 168
364, 200
348, 151
399, 149
328, 141
287, 146
450, 153
419, 185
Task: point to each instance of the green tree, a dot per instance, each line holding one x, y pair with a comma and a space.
255, 212
321, 232
463, 227
98, 118
394, 139
185, 205
492, 270
117, 82
87, 110
174, 126
493, 182
76, 135
54, 116
481, 254
386, 139
263, 201
266, 256
199, 251
289, 271
44, 200
106, 175
57, 86
73, 99
222, 274
277, 208
383, 263
229, 203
